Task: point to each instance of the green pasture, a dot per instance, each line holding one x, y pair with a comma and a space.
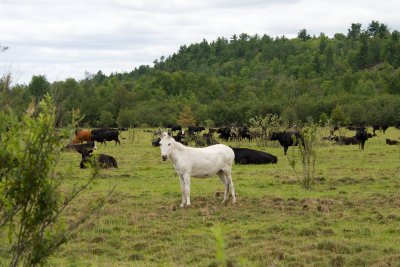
350, 218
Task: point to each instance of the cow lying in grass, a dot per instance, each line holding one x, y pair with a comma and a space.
392, 142
250, 156
99, 161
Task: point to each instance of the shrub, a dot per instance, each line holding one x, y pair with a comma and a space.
31, 201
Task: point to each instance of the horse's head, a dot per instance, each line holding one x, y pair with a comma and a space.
165, 145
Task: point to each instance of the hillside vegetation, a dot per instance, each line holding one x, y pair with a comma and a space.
352, 78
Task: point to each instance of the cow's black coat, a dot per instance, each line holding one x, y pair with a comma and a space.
250, 156
105, 134
100, 160
286, 139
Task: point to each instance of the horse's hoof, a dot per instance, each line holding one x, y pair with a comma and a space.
182, 205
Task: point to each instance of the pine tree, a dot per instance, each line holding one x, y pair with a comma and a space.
186, 118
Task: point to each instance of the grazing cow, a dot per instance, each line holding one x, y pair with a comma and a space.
286, 139
361, 136
209, 138
240, 133
179, 138
250, 156
195, 129
101, 160
77, 147
82, 136
200, 163
224, 133
106, 134
212, 130
174, 127
391, 142
156, 142
382, 127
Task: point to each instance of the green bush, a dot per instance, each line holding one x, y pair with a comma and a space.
31, 202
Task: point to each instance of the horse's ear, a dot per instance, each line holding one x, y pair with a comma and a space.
169, 133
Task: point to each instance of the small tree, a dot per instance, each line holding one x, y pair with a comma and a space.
106, 119
303, 35
186, 118
307, 149
126, 118
324, 119
38, 87
31, 201
338, 116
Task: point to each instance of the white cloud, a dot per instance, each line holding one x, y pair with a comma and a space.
63, 39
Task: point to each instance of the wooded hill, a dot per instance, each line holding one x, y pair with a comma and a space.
350, 78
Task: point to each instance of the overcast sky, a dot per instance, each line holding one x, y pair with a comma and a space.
66, 38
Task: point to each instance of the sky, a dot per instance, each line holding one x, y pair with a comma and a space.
69, 38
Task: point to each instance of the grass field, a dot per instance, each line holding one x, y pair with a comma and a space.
350, 218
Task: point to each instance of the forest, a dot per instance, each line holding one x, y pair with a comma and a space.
351, 78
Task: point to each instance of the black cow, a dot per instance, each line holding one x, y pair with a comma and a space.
243, 133
382, 127
209, 139
105, 134
212, 130
179, 138
77, 147
286, 139
195, 129
156, 142
100, 160
250, 156
224, 133
361, 136
392, 142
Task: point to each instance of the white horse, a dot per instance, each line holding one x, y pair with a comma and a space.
199, 163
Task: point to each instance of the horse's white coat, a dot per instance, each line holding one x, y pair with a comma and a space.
199, 163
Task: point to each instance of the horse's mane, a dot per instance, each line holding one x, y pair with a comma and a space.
178, 144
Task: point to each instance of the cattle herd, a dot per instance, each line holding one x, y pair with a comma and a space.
211, 158
100, 135
84, 141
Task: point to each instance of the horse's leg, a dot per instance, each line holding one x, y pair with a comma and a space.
224, 181
186, 178
182, 191
228, 175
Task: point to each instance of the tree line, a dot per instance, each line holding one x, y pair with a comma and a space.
349, 78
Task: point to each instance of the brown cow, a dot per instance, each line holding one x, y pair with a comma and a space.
81, 136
